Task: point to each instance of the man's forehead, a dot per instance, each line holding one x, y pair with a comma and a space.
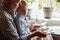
13, 0
16, 0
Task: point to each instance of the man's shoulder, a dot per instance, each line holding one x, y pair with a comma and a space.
2, 14
5, 14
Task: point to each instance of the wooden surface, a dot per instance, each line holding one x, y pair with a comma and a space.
56, 37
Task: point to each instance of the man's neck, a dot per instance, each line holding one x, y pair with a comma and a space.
4, 7
9, 6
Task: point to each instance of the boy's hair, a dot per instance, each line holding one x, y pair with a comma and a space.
23, 5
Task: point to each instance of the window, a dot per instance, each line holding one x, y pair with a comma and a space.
37, 8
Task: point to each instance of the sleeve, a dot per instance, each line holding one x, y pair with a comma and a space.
8, 29
18, 23
24, 37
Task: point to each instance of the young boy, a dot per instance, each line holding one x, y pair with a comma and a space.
21, 24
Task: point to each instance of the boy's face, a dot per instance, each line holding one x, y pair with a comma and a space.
23, 9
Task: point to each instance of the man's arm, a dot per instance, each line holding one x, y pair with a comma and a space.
8, 29
36, 33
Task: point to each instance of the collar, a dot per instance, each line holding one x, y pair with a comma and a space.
20, 16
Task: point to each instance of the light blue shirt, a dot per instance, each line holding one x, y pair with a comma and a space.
21, 25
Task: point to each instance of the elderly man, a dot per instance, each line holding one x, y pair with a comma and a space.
8, 29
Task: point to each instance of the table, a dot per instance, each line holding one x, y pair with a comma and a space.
56, 37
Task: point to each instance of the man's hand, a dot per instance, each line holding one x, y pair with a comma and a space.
40, 34
36, 33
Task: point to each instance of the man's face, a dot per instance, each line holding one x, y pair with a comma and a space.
15, 5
